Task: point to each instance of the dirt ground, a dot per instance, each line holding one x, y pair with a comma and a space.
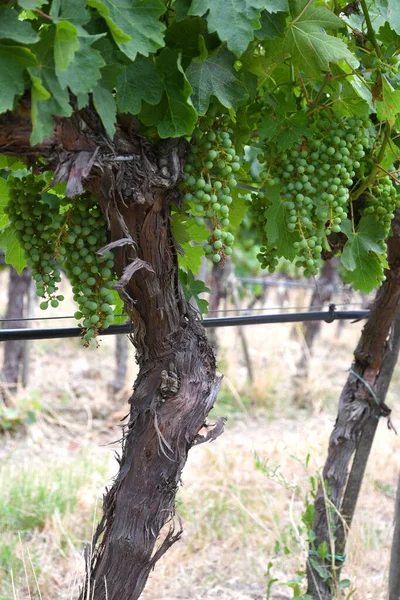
242, 496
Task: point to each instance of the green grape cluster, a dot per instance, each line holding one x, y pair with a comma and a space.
69, 239
209, 178
314, 178
381, 200
90, 273
36, 225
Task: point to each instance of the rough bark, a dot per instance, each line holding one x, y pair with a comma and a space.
135, 183
394, 571
18, 290
361, 402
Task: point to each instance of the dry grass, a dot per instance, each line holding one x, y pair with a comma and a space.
233, 513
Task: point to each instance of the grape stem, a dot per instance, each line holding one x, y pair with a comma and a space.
327, 79
390, 174
371, 177
42, 14
307, 99
371, 32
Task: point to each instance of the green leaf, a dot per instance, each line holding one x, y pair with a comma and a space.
388, 10
192, 288
347, 101
181, 8
73, 11
14, 253
390, 107
104, 103
238, 209
174, 116
13, 29
234, 21
360, 255
30, 4
13, 62
215, 76
66, 43
119, 309
134, 24
83, 72
186, 231
323, 550
44, 78
274, 6
191, 258
284, 130
277, 232
138, 81
187, 37
272, 25
310, 47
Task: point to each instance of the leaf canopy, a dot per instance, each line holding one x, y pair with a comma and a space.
262, 72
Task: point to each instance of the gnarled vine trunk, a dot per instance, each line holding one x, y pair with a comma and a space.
361, 404
135, 183
173, 393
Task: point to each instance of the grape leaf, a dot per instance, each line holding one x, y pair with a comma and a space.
134, 24
138, 81
215, 76
277, 232
13, 62
181, 8
184, 36
73, 11
66, 43
360, 255
192, 257
104, 103
274, 6
192, 288
272, 25
14, 253
186, 231
173, 115
390, 107
310, 47
388, 10
83, 73
234, 21
13, 29
44, 78
30, 4
347, 101
119, 317
238, 208
284, 130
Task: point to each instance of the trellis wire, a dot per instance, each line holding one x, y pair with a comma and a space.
217, 310
69, 332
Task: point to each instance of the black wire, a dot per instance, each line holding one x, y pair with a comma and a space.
67, 332
217, 310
